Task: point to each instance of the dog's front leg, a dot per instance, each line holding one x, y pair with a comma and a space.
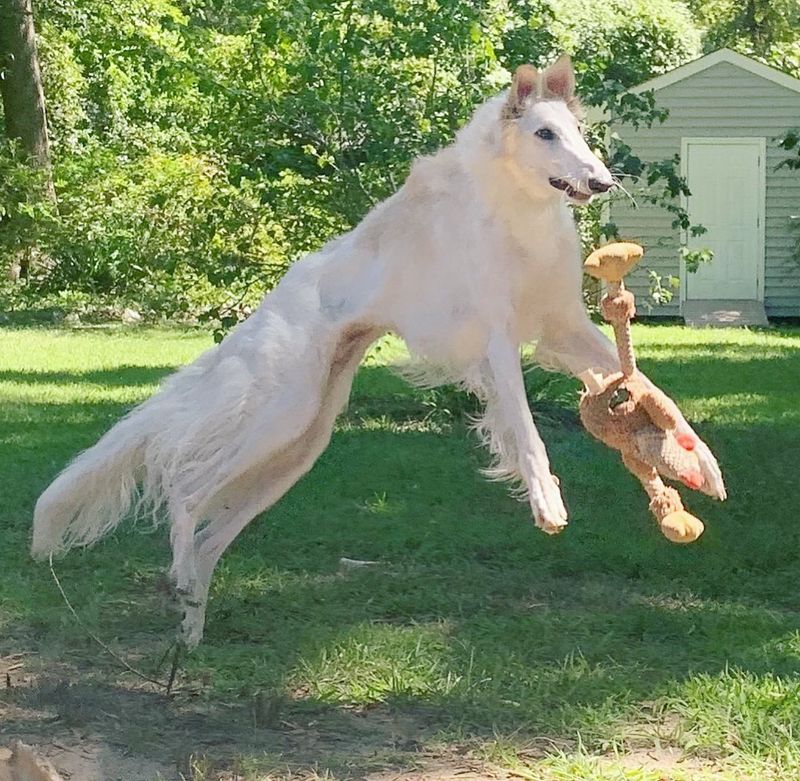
507, 391
572, 342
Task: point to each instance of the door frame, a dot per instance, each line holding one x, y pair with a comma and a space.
760, 142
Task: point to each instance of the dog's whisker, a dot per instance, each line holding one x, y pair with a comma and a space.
624, 190
618, 174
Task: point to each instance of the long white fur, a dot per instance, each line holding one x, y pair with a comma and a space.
475, 255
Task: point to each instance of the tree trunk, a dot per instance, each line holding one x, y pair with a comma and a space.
21, 85
23, 98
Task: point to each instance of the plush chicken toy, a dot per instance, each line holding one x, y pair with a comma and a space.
627, 413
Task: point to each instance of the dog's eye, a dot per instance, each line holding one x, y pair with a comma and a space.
545, 134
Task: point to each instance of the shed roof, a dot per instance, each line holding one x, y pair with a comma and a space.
709, 60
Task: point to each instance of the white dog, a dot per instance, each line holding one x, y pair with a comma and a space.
475, 255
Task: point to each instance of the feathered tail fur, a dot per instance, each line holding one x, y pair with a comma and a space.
178, 438
93, 494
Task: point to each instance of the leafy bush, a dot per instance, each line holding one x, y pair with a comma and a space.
621, 43
22, 207
166, 233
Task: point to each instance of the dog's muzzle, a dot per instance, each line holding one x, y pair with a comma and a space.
572, 192
595, 186
598, 186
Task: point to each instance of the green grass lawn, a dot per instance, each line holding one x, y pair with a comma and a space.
604, 653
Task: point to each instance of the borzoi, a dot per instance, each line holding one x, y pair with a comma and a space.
475, 255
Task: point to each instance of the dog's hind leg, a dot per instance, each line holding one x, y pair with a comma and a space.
286, 418
181, 540
259, 487
183, 572
257, 491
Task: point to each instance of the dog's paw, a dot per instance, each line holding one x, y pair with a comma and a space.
549, 512
191, 629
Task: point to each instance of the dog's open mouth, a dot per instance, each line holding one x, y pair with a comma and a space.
575, 195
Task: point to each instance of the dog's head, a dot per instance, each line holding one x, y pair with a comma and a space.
542, 117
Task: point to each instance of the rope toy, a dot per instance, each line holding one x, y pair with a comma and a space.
628, 414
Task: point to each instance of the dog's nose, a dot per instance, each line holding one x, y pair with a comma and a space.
598, 186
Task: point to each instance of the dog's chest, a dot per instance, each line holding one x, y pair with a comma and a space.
543, 276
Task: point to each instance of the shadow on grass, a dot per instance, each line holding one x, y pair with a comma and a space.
471, 623
121, 376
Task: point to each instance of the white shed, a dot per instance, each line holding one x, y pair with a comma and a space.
725, 112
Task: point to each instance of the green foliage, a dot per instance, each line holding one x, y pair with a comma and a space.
765, 29
164, 231
621, 43
22, 207
694, 258
662, 289
791, 143
200, 146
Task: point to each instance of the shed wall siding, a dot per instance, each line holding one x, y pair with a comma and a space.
723, 101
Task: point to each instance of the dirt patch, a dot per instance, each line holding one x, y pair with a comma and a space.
430, 769
664, 759
96, 729
89, 759
93, 727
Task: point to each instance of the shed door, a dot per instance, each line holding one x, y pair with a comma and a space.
724, 178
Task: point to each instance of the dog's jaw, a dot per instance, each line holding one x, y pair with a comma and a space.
574, 194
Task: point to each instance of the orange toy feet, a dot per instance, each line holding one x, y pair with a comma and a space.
681, 527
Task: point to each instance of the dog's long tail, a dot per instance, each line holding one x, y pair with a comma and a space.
133, 463
94, 493
181, 438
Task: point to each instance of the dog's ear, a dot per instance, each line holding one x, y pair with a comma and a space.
522, 87
559, 79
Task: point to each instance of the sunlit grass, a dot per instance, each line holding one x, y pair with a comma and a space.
557, 658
